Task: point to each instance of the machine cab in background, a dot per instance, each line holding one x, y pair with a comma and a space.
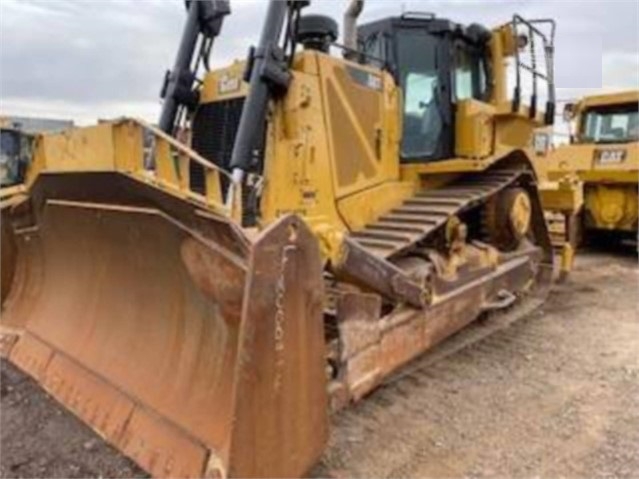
438, 64
616, 123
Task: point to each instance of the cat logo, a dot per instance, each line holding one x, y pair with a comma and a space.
228, 84
608, 157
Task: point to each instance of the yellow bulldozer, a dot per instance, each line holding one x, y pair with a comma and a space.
296, 228
589, 186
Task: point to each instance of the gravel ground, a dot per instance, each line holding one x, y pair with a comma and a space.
555, 395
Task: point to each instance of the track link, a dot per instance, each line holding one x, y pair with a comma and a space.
423, 214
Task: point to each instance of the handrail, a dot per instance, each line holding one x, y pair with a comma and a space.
548, 76
7, 191
12, 195
192, 154
134, 148
166, 164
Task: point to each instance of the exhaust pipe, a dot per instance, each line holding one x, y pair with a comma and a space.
350, 27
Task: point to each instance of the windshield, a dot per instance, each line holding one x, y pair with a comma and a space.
418, 76
610, 124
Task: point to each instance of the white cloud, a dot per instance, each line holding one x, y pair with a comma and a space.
98, 58
620, 70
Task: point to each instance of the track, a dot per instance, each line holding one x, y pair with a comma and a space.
422, 215
553, 394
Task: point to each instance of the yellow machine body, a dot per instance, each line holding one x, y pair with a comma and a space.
15, 154
333, 144
593, 182
200, 346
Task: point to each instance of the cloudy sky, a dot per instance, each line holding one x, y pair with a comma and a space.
89, 59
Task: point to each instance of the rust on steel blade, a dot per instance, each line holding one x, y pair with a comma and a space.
282, 405
192, 354
120, 331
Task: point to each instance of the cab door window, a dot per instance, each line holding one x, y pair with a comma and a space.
469, 75
419, 79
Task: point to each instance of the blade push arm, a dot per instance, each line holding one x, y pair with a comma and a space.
203, 24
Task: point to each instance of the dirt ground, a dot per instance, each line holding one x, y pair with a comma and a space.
556, 394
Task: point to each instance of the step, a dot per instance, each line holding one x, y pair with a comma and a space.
367, 233
426, 221
439, 201
388, 246
454, 193
384, 227
430, 210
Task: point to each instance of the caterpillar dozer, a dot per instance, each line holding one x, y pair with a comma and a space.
15, 154
590, 185
296, 228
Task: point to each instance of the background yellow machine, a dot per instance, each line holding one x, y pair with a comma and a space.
297, 228
16, 149
593, 181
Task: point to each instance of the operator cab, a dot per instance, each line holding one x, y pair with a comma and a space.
436, 63
610, 124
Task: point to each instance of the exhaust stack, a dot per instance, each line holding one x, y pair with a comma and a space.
350, 26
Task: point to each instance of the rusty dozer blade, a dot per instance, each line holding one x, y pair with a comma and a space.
193, 350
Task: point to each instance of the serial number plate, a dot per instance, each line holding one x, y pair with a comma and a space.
609, 157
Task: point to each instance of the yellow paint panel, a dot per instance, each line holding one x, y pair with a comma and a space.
79, 149
361, 117
129, 147
611, 207
581, 159
474, 129
565, 196
297, 161
224, 83
617, 98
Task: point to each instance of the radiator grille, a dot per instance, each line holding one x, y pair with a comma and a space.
214, 129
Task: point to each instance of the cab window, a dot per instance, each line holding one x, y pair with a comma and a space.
612, 124
469, 75
418, 74
375, 49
